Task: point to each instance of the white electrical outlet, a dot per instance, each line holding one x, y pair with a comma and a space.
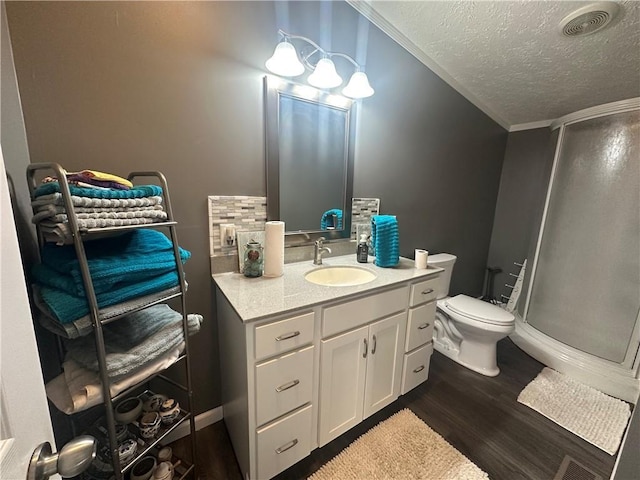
227, 235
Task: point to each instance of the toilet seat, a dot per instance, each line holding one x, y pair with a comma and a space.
479, 311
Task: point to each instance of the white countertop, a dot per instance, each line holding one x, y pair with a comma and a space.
256, 298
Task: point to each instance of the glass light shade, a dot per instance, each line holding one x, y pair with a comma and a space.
284, 61
358, 86
325, 75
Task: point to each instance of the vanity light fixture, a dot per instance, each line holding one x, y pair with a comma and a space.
287, 62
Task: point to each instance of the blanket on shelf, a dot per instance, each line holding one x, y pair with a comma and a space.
134, 340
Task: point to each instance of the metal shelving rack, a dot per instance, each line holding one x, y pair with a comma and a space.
99, 320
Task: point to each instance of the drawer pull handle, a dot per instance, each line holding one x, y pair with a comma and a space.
427, 291
419, 369
287, 386
366, 347
423, 326
375, 343
287, 446
287, 336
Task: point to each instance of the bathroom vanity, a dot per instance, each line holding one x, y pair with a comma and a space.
302, 363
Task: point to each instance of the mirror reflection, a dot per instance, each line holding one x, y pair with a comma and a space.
309, 158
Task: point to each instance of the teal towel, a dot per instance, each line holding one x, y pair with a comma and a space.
385, 240
68, 308
139, 191
324, 221
139, 255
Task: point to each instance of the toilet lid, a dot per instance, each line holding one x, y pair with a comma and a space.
479, 310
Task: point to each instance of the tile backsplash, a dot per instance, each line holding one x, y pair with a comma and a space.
362, 209
249, 214
245, 213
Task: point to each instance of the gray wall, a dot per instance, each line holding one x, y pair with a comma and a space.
523, 189
177, 87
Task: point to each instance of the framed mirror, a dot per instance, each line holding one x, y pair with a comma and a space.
309, 159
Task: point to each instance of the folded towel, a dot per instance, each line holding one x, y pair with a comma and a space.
67, 308
55, 198
385, 240
86, 219
325, 221
61, 234
135, 256
134, 340
135, 192
84, 325
51, 209
77, 388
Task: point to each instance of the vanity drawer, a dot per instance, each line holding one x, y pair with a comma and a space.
283, 384
420, 325
346, 316
416, 367
423, 292
283, 336
284, 442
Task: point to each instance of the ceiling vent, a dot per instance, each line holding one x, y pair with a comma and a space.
588, 19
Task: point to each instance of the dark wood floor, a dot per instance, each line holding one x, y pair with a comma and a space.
478, 415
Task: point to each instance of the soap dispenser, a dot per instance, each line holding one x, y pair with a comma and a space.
363, 249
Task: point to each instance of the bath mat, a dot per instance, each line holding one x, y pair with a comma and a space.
597, 418
401, 447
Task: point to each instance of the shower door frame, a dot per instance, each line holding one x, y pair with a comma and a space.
618, 379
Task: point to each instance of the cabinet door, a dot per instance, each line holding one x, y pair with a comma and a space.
384, 366
342, 374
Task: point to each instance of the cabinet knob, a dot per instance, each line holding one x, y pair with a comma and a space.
423, 326
375, 342
366, 347
419, 369
427, 291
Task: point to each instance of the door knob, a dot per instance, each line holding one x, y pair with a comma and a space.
73, 459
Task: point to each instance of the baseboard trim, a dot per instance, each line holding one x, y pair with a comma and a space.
202, 420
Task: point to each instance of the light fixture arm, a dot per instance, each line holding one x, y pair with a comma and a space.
317, 48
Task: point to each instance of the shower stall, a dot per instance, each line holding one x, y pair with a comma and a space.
580, 304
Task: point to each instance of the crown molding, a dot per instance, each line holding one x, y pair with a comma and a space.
530, 125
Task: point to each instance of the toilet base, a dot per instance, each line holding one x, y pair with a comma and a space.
454, 354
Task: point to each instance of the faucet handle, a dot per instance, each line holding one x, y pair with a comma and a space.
319, 241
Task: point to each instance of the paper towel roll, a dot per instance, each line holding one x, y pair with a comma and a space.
421, 259
273, 249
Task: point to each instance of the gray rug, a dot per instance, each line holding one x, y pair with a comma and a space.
597, 418
401, 447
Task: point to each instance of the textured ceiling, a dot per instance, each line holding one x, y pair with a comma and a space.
509, 57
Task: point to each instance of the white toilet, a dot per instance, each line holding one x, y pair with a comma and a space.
467, 329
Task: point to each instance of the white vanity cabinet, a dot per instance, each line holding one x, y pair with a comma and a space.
269, 382
360, 370
301, 364
418, 345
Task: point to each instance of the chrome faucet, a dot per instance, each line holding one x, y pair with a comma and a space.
319, 250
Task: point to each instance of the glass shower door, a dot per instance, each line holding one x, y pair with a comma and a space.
586, 286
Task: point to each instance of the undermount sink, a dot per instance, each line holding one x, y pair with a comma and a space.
340, 276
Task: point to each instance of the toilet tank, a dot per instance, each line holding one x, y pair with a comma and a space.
446, 261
